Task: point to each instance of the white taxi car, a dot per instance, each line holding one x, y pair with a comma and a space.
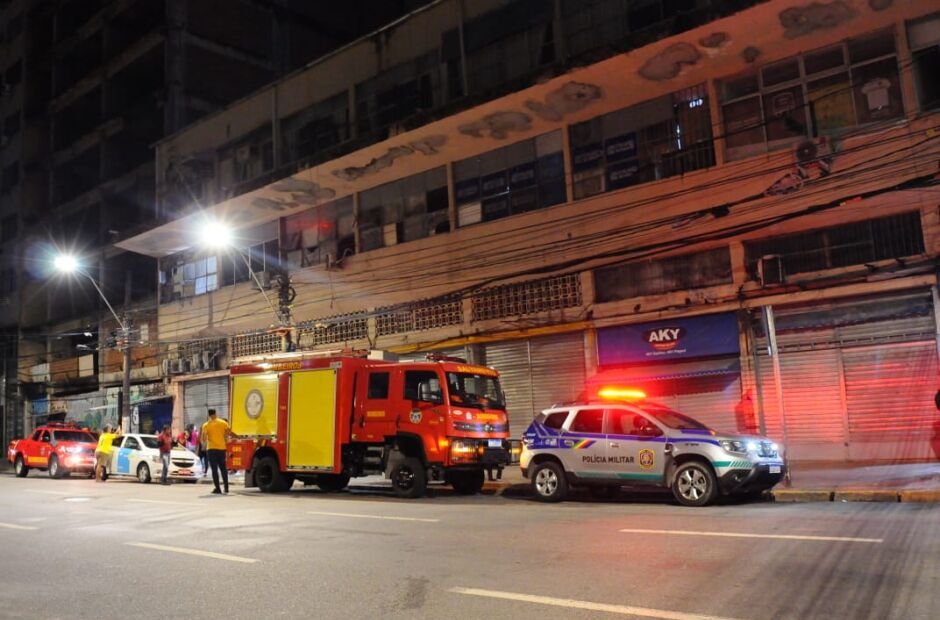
139, 456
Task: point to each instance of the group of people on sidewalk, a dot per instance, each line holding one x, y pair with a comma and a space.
209, 442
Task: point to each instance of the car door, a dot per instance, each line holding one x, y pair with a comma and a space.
120, 455
635, 447
583, 446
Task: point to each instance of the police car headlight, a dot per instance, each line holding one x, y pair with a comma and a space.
774, 447
733, 445
752, 446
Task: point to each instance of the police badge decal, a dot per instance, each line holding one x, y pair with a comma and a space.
646, 458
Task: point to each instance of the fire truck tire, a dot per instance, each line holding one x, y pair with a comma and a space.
143, 473
55, 470
549, 482
466, 482
20, 467
269, 477
409, 478
333, 482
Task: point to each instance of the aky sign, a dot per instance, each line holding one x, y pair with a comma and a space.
700, 336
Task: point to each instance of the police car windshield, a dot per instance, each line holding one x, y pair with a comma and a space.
474, 390
79, 436
673, 419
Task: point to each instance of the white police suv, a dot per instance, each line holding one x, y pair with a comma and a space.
635, 442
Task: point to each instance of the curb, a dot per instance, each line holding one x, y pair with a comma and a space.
866, 496
919, 496
798, 495
854, 495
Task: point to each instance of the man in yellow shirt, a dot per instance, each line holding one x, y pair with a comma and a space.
215, 434
103, 451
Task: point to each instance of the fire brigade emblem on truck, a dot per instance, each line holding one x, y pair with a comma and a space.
254, 404
646, 458
416, 416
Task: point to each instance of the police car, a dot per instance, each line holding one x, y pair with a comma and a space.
626, 440
138, 456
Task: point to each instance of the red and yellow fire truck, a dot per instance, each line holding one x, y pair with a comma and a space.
324, 420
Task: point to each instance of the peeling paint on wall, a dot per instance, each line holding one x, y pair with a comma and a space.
351, 173
750, 54
497, 125
305, 192
267, 204
570, 98
880, 5
430, 145
715, 40
802, 20
669, 63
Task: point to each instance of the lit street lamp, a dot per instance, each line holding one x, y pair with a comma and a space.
68, 264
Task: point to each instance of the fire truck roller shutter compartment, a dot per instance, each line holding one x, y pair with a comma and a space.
254, 405
311, 436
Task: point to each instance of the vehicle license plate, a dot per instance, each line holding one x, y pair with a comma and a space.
187, 472
774, 469
495, 443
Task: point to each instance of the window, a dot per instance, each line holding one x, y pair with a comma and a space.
46, 438
378, 385
656, 139
405, 210
555, 420
200, 276
131, 443
315, 235
818, 93
924, 38
398, 93
261, 257
654, 277
36, 435
588, 421
311, 133
858, 243
630, 423
423, 385
521, 177
116, 443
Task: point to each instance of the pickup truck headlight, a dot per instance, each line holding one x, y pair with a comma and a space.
733, 445
72, 450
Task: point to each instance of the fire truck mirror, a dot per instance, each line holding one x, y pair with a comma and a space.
425, 393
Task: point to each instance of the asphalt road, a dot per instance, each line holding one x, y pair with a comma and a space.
76, 549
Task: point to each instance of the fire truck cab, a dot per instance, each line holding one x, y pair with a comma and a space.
325, 420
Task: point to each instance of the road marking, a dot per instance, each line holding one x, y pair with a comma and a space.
205, 554
359, 516
745, 535
159, 501
623, 610
14, 526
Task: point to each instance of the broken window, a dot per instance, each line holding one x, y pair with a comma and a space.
405, 210
392, 101
924, 38
320, 235
818, 93
521, 177
309, 134
656, 139
664, 275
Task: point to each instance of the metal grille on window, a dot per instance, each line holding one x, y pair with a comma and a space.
421, 315
528, 297
255, 344
201, 354
332, 330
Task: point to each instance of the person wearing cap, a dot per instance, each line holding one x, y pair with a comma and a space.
215, 434
103, 451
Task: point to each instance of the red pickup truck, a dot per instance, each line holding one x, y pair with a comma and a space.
58, 447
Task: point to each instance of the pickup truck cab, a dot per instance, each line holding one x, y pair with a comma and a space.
59, 448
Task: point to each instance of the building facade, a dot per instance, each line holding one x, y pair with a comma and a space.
584, 192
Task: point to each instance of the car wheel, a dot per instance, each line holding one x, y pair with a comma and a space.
143, 473
269, 477
409, 478
467, 482
548, 482
20, 467
55, 470
333, 482
694, 484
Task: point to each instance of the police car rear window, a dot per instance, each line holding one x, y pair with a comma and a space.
588, 421
555, 420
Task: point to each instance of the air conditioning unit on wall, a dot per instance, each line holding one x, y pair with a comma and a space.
770, 271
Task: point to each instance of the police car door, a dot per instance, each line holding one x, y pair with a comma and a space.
583, 450
635, 447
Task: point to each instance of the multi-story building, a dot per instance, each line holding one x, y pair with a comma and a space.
587, 192
86, 88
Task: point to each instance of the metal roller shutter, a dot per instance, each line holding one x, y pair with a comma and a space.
511, 359
890, 397
201, 395
557, 364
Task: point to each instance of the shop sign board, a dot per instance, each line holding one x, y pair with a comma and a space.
680, 338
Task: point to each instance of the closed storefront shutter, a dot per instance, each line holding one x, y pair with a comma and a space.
511, 359
201, 395
557, 372
890, 392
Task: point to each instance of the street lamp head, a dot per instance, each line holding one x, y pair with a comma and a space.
65, 263
215, 235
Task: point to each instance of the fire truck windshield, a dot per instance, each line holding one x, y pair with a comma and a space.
473, 390
673, 419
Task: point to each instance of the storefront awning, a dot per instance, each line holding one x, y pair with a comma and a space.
673, 372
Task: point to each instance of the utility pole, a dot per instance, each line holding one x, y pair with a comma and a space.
125, 408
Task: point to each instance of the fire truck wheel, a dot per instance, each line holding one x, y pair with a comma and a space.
549, 482
269, 477
20, 467
466, 482
55, 470
333, 482
409, 478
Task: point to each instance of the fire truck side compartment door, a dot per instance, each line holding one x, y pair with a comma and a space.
311, 433
254, 404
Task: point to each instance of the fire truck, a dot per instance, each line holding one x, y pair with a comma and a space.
325, 420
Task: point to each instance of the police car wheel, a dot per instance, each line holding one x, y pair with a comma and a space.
20, 467
548, 482
694, 484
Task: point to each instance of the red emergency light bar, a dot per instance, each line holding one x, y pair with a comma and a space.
437, 357
619, 393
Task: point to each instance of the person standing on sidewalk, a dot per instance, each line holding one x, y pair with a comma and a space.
215, 433
165, 444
